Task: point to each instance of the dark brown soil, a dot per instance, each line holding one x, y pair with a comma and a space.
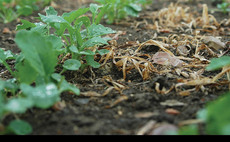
91, 115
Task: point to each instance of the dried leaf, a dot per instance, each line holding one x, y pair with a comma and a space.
6, 31
172, 103
172, 111
90, 94
157, 44
205, 16
214, 43
164, 58
59, 106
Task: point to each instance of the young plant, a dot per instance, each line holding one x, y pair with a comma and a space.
224, 6
11, 9
35, 65
119, 9
216, 122
7, 14
82, 36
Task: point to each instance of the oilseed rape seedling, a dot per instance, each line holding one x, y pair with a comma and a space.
12, 9
82, 36
119, 9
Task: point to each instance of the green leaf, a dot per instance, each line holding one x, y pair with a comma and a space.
91, 62
39, 53
71, 16
94, 41
25, 72
5, 55
56, 41
73, 49
18, 105
43, 96
85, 20
216, 119
94, 8
64, 85
25, 10
189, 130
99, 30
52, 19
103, 51
87, 52
135, 7
218, 63
25, 25
51, 11
72, 64
130, 11
20, 127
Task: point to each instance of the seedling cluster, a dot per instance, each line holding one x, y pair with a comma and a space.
11, 9
35, 82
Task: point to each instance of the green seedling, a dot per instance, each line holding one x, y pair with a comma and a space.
82, 36
35, 65
216, 122
224, 7
119, 9
12, 9
18, 127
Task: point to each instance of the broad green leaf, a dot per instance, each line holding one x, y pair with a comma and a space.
99, 30
73, 49
37, 51
72, 64
41, 28
94, 41
18, 105
51, 11
216, 119
43, 96
91, 62
218, 63
25, 72
71, 16
56, 41
25, 25
20, 127
52, 19
65, 86
130, 11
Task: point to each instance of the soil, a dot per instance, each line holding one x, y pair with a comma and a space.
126, 111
